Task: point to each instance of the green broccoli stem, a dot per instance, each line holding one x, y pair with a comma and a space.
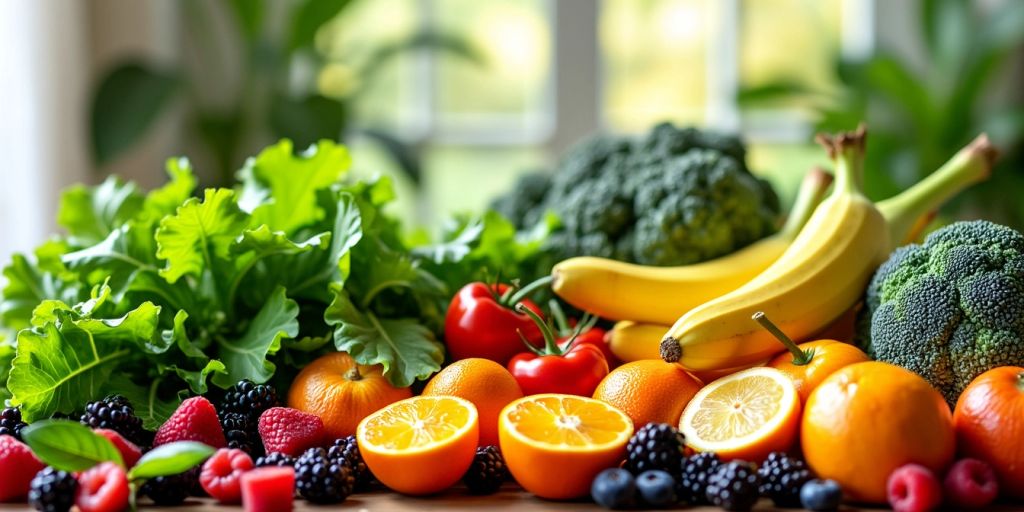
970, 165
812, 190
800, 357
847, 150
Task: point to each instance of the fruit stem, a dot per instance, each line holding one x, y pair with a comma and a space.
812, 190
1020, 382
847, 150
523, 292
561, 322
968, 166
550, 343
800, 357
353, 374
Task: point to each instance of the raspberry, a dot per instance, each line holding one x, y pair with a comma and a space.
195, 420
167, 490
222, 473
52, 491
102, 488
970, 484
115, 413
130, 453
913, 488
17, 466
270, 489
290, 431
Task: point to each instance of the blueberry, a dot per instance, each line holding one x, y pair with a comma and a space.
821, 495
656, 488
614, 488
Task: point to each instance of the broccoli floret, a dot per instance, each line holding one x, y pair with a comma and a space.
673, 197
950, 308
523, 203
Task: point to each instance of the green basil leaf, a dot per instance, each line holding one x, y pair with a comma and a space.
170, 459
68, 445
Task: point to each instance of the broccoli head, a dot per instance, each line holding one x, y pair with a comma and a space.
951, 308
673, 197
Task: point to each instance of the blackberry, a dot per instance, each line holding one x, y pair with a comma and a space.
655, 446
52, 490
782, 477
275, 459
168, 490
322, 479
115, 413
487, 472
347, 449
693, 477
240, 411
734, 486
241, 433
10, 422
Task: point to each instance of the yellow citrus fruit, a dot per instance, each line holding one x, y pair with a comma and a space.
867, 419
342, 392
746, 415
554, 445
420, 445
649, 390
485, 383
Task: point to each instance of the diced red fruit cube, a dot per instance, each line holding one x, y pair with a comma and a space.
222, 474
17, 467
914, 488
102, 488
194, 420
130, 453
269, 489
970, 484
290, 431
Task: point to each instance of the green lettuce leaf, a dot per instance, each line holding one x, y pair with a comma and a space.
27, 286
246, 357
165, 200
90, 214
199, 232
404, 347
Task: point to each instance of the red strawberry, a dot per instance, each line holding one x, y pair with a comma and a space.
130, 453
222, 474
195, 420
17, 468
290, 431
102, 488
269, 489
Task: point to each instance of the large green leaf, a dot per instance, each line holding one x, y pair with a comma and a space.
405, 348
90, 214
127, 102
149, 406
292, 182
166, 199
198, 233
27, 286
307, 119
257, 245
309, 17
127, 251
249, 14
246, 357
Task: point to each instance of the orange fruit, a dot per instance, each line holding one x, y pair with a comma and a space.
554, 445
746, 415
828, 356
485, 383
867, 419
420, 445
989, 424
649, 390
342, 392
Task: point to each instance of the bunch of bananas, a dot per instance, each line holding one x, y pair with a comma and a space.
805, 277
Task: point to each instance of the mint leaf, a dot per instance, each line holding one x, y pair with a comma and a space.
291, 182
198, 233
246, 357
90, 214
170, 459
69, 445
166, 199
406, 349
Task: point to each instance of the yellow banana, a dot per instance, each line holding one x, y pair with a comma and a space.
632, 341
624, 291
824, 271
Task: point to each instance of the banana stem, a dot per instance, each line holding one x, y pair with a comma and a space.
970, 165
812, 190
800, 357
847, 150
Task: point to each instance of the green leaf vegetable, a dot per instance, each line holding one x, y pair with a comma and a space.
158, 296
170, 459
69, 445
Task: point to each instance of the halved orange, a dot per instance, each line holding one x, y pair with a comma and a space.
746, 415
420, 445
554, 445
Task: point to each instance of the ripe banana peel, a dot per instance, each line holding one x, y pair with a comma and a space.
634, 341
825, 270
658, 295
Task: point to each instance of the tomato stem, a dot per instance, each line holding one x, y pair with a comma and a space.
550, 343
800, 357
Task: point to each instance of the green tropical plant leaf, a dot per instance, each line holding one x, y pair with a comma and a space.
128, 100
